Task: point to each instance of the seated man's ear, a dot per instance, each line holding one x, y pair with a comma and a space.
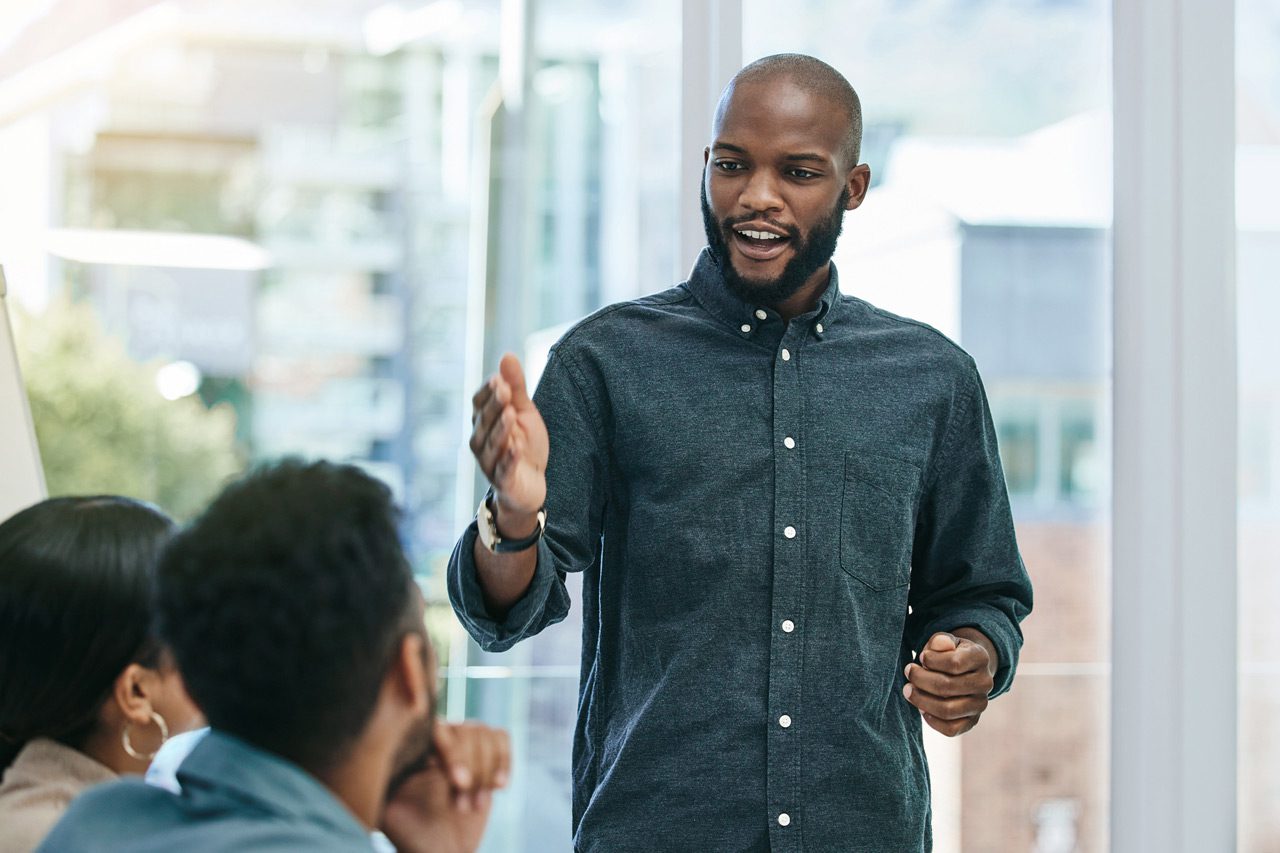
413, 671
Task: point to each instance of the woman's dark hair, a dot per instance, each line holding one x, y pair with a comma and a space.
75, 588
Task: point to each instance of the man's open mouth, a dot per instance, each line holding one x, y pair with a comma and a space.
758, 244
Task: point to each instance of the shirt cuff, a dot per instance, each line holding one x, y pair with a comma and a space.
525, 618
995, 626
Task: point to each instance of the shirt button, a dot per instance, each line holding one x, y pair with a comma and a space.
760, 315
789, 442
789, 532
746, 327
784, 819
788, 626
819, 328
786, 355
784, 721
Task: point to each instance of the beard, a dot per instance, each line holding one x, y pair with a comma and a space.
412, 756
811, 254
416, 748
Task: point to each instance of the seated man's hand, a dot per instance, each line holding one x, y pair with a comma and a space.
444, 808
950, 680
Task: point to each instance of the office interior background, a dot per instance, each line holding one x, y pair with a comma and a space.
235, 230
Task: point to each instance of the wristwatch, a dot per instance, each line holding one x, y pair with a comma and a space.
487, 527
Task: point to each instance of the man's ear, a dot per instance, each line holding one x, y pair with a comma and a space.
410, 672
857, 182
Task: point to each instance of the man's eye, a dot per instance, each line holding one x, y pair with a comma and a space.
728, 166
803, 173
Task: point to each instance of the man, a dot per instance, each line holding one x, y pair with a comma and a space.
789, 508
294, 618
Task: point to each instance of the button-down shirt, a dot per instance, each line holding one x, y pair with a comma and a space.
234, 797
771, 518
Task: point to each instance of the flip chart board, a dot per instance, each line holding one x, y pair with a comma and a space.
21, 477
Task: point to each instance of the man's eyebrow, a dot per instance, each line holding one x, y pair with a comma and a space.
812, 158
802, 157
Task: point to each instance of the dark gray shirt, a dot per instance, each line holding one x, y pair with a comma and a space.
771, 517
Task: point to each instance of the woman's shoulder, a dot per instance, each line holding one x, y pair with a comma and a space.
39, 786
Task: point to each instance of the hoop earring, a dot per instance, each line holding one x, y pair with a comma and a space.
128, 746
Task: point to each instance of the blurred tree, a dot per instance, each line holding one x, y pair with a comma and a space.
102, 425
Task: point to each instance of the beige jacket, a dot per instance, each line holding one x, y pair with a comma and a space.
38, 787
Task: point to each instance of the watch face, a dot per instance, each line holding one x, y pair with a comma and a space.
485, 526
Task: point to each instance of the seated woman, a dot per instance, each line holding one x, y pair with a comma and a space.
88, 693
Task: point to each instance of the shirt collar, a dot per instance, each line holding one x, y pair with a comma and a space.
707, 285
227, 768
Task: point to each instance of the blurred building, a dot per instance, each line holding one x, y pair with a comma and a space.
336, 215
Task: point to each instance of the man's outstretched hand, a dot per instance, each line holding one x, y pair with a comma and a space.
509, 441
950, 680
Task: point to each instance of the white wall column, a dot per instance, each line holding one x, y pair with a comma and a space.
1173, 733
711, 53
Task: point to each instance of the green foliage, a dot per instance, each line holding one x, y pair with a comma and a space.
104, 428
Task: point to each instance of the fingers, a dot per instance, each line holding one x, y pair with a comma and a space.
502, 769
942, 642
946, 685
490, 405
950, 728
494, 416
949, 709
945, 707
451, 750
496, 444
511, 371
487, 405
476, 759
954, 656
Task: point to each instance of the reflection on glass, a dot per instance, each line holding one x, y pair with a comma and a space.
1080, 475
1019, 451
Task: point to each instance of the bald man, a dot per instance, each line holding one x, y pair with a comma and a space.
789, 509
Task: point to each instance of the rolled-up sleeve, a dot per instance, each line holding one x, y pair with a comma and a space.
966, 569
576, 487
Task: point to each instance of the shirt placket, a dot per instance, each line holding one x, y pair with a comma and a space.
785, 716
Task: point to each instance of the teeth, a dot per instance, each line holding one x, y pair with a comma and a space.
760, 235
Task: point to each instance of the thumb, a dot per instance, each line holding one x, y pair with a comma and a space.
513, 373
943, 642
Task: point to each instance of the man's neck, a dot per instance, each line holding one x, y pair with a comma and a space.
806, 298
360, 783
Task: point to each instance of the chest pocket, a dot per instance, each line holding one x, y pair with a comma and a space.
877, 519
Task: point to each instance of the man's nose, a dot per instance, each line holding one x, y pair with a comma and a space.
762, 193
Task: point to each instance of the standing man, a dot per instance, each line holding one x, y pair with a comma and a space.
789, 508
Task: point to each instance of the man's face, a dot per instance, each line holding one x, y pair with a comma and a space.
415, 748
776, 187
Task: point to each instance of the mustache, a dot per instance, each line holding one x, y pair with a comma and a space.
732, 222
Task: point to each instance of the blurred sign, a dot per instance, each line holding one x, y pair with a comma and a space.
204, 316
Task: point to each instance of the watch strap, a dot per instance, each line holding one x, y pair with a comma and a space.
487, 527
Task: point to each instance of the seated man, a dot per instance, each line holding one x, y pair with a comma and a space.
294, 618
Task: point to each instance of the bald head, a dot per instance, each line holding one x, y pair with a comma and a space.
814, 76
